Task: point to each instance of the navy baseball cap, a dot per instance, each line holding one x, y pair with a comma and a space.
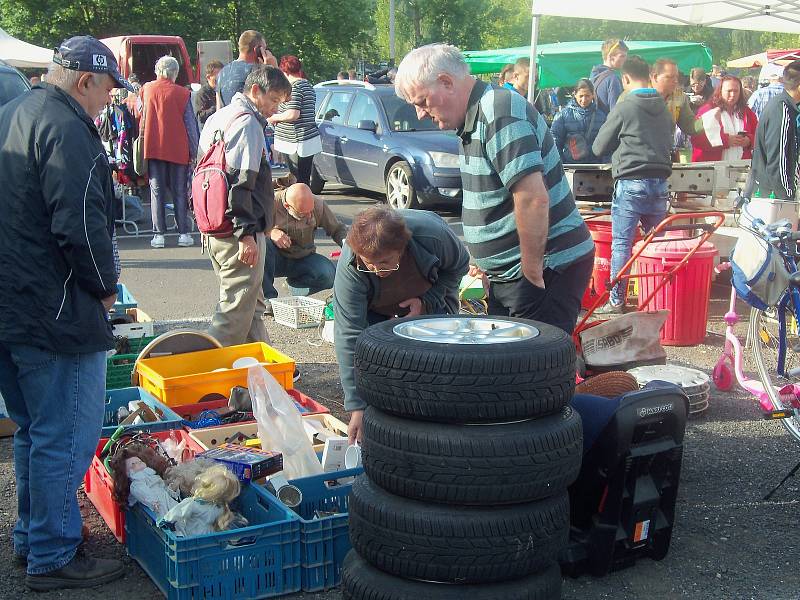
85, 53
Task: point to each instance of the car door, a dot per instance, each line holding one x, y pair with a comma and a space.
332, 163
363, 146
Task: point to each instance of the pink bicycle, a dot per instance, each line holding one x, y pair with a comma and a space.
773, 337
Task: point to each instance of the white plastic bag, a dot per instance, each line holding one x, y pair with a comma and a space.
280, 426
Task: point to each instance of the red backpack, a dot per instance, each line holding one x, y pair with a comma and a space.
210, 188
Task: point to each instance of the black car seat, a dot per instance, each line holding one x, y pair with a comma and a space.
622, 506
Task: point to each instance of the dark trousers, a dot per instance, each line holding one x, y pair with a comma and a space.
300, 167
557, 304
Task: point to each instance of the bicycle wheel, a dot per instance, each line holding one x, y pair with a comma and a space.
764, 336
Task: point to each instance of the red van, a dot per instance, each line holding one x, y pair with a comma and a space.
139, 53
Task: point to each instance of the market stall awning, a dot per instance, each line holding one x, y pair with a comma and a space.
781, 57
564, 63
781, 16
22, 54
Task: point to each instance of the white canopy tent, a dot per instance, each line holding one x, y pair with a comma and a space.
781, 16
22, 54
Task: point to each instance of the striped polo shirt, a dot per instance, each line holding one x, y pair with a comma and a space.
504, 139
305, 127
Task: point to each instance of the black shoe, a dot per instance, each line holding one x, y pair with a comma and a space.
20, 560
80, 572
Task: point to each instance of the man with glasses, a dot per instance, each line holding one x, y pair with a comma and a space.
395, 263
292, 254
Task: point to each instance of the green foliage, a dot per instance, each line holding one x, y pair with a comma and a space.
325, 36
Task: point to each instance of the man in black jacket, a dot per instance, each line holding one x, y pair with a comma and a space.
774, 166
57, 282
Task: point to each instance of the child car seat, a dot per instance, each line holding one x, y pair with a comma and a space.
622, 506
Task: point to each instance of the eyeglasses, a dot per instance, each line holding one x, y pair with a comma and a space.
373, 270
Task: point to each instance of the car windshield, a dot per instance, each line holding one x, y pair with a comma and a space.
11, 86
403, 117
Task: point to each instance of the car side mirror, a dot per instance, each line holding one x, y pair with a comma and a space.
368, 125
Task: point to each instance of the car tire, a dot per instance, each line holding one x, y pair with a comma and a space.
465, 382
455, 544
400, 192
316, 182
362, 581
483, 465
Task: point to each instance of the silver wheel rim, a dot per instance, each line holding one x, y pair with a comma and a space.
447, 330
398, 189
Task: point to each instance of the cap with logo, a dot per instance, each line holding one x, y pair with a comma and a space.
85, 53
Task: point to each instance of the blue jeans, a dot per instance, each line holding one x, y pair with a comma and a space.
634, 201
304, 276
57, 402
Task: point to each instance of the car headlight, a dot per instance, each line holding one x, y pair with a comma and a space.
444, 160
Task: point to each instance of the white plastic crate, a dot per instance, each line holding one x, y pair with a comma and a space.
298, 312
141, 327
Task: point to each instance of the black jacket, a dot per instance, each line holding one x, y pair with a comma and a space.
56, 260
774, 165
639, 133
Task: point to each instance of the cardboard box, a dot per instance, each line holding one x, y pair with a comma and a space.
246, 463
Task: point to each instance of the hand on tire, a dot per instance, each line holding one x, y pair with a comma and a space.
355, 426
414, 306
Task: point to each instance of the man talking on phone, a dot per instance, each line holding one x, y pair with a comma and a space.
252, 51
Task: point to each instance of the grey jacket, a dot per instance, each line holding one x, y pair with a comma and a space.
639, 133
250, 195
440, 256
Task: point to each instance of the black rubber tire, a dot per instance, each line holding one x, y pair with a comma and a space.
480, 465
316, 182
455, 544
465, 383
362, 581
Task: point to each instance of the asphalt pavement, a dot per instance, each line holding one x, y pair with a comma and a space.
728, 542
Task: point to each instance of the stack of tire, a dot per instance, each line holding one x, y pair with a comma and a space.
469, 445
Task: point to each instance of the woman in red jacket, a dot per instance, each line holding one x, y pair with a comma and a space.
729, 126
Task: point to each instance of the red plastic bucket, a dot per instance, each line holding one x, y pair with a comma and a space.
601, 273
686, 296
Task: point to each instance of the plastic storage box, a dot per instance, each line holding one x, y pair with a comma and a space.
298, 312
98, 485
211, 437
261, 560
325, 541
121, 397
182, 379
306, 405
120, 366
125, 300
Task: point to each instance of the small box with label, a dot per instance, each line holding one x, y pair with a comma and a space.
246, 463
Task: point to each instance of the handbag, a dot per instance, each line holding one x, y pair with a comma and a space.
139, 162
759, 274
578, 145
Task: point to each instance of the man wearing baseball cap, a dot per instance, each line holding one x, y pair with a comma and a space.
57, 283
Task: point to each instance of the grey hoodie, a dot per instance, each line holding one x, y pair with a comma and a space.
639, 132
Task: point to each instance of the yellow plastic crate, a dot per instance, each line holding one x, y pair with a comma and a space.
186, 378
212, 437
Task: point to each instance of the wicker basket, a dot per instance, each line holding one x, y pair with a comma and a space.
298, 312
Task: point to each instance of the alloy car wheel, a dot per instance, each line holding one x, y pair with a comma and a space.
400, 192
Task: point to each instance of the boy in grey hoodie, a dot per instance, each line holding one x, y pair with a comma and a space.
639, 133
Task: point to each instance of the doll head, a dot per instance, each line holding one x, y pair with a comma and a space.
221, 487
119, 464
134, 464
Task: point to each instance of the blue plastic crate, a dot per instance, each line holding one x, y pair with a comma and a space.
121, 397
125, 300
258, 561
326, 541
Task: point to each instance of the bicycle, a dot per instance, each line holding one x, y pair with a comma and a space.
773, 336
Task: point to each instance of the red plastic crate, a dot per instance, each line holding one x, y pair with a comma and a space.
98, 485
190, 412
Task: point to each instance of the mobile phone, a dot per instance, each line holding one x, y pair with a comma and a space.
742, 133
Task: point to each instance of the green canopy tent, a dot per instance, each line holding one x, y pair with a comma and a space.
566, 62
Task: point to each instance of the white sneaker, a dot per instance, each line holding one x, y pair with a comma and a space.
157, 241
185, 239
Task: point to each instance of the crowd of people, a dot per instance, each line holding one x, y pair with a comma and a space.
523, 233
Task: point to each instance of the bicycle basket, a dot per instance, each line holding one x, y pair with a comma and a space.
758, 271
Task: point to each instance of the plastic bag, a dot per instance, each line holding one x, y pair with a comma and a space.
280, 426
